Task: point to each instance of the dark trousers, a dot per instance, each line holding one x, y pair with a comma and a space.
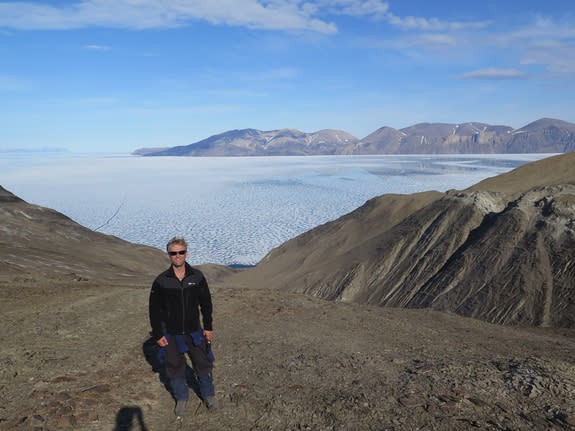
201, 364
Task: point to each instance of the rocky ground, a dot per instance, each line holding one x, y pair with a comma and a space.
76, 355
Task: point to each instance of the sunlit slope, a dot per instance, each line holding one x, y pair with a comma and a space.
501, 251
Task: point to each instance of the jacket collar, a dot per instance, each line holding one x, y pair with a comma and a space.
189, 270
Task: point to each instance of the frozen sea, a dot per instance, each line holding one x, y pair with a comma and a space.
232, 210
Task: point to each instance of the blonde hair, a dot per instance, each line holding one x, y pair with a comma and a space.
176, 241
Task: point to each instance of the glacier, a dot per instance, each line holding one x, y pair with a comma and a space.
231, 210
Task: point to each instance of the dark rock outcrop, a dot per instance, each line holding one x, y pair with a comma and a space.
7, 197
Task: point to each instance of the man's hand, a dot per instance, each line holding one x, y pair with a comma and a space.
162, 342
208, 335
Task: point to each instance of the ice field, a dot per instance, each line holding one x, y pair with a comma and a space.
232, 211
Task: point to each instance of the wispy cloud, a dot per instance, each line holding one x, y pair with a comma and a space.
375, 8
433, 24
432, 41
541, 28
494, 74
544, 45
98, 47
557, 59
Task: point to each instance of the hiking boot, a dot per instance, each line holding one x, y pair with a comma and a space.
212, 403
181, 406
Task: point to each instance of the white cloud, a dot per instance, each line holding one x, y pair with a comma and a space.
494, 74
143, 14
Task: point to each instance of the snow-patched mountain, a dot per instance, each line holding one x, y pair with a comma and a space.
438, 138
251, 142
542, 136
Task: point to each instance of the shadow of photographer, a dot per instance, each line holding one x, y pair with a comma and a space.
127, 417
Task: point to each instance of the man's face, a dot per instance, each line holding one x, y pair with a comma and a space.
177, 254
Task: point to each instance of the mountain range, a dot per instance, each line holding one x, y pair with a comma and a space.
542, 136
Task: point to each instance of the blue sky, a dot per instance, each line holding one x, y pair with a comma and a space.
117, 75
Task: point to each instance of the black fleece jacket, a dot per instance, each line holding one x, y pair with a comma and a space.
175, 305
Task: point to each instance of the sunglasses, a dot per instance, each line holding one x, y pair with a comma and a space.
181, 252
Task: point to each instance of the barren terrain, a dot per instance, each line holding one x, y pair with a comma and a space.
76, 352
75, 355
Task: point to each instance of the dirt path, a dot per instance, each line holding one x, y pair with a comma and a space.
75, 356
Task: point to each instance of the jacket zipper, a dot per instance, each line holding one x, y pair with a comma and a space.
183, 307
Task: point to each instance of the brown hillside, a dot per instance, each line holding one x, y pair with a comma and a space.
511, 237
41, 239
325, 248
558, 169
517, 267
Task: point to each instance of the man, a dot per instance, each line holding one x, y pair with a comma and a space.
176, 299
